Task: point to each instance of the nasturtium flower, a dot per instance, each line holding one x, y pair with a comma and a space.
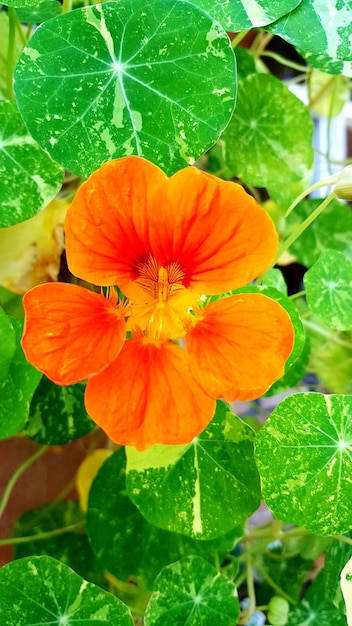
157, 359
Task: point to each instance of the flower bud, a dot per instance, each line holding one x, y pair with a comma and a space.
343, 186
278, 609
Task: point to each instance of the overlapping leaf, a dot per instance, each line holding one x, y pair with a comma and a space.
304, 456
321, 28
29, 178
130, 545
270, 131
332, 229
192, 592
40, 12
153, 78
40, 590
57, 414
185, 488
16, 389
237, 15
71, 547
329, 289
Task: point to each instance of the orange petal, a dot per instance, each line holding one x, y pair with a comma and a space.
70, 332
148, 396
239, 346
128, 210
107, 223
213, 229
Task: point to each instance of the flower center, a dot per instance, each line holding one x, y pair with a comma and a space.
161, 283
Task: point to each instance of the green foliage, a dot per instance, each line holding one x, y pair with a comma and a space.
57, 414
39, 589
103, 82
170, 530
332, 229
35, 178
191, 592
303, 455
328, 285
329, 28
184, 488
244, 14
130, 545
270, 122
17, 384
70, 547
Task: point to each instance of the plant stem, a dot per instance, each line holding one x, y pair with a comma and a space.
284, 61
10, 53
299, 294
15, 476
322, 183
276, 587
239, 37
44, 535
302, 227
326, 333
344, 539
66, 6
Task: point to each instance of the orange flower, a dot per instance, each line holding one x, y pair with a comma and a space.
164, 242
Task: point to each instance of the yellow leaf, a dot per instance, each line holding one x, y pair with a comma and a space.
87, 472
30, 251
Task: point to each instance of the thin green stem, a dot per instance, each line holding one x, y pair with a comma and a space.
15, 476
260, 43
239, 37
10, 53
344, 539
325, 333
284, 61
322, 183
299, 294
246, 615
44, 535
276, 587
302, 227
66, 6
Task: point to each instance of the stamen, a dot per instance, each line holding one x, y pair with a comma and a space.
159, 282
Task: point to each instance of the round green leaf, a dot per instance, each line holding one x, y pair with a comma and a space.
21, 3
29, 178
71, 547
329, 347
318, 606
7, 343
129, 545
184, 488
40, 590
329, 289
192, 592
40, 12
57, 414
332, 229
303, 454
16, 389
242, 14
319, 27
153, 78
270, 132
274, 278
